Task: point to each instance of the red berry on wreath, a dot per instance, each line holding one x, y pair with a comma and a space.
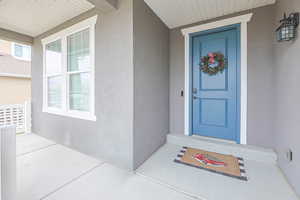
212, 58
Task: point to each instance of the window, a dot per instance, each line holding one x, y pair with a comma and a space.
22, 52
69, 71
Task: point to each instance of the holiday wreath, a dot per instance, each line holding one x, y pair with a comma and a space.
211, 59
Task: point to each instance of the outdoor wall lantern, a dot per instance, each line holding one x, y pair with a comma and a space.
287, 30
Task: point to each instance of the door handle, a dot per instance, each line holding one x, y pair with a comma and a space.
195, 97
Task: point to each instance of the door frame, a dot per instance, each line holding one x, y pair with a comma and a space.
188, 32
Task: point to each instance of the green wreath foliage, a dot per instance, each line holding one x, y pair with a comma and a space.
211, 59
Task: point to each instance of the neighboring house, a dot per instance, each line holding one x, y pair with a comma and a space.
15, 75
114, 80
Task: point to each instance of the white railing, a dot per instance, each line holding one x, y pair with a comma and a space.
18, 115
8, 181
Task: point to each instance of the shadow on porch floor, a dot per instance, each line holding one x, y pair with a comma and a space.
265, 180
53, 172
49, 171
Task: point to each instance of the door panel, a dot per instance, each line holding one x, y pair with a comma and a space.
208, 110
215, 98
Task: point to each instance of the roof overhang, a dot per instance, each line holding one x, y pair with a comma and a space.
105, 5
176, 13
22, 20
15, 37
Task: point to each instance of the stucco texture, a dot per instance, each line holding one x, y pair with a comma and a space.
111, 136
273, 70
131, 72
260, 77
287, 70
151, 82
139, 78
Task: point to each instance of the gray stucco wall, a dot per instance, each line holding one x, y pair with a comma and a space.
288, 98
131, 87
133, 82
260, 77
151, 82
111, 136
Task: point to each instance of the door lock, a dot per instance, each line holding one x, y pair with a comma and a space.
195, 90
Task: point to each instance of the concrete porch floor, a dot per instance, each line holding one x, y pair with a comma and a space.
49, 171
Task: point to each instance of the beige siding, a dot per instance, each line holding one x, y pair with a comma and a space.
14, 90
5, 47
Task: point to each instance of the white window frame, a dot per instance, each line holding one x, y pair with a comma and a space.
13, 44
62, 35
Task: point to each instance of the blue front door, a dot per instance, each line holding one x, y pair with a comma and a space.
215, 100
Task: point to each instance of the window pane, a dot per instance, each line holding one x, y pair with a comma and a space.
54, 91
79, 91
27, 52
53, 57
79, 51
18, 50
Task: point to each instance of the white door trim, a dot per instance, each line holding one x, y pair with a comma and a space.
243, 20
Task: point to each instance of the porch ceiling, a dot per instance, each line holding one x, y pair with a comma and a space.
175, 13
33, 17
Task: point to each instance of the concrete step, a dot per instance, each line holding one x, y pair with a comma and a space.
245, 151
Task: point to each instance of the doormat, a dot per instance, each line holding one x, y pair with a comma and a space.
226, 165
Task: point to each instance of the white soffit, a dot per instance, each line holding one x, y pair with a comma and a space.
175, 13
34, 17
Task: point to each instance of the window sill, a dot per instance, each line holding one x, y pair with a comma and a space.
22, 58
77, 115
